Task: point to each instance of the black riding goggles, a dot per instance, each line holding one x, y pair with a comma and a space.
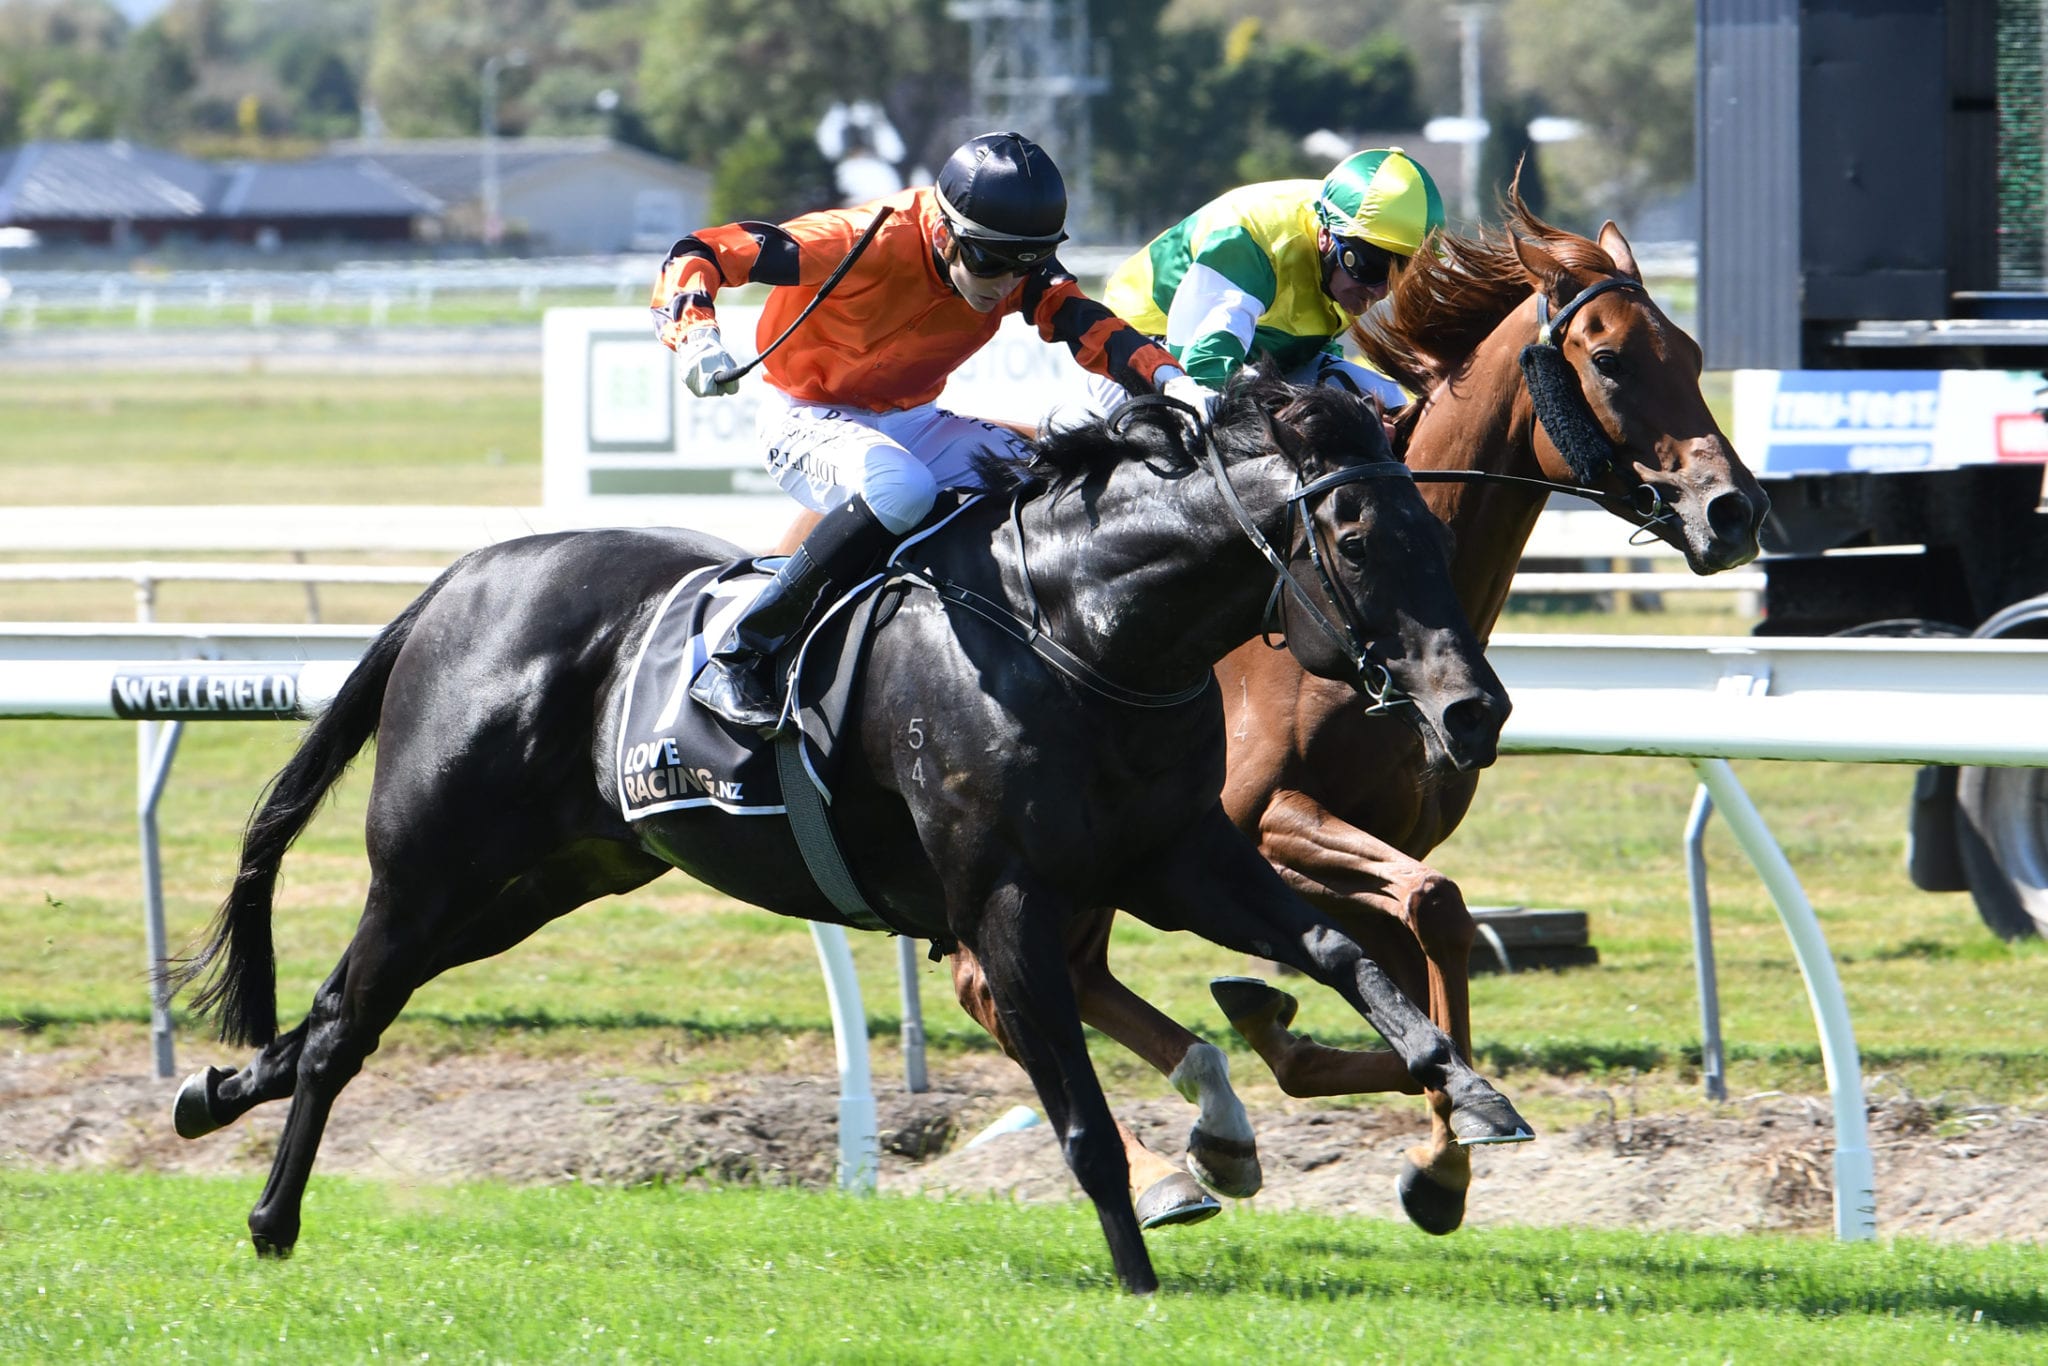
991, 260
1362, 261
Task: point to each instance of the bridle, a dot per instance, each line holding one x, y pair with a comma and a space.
1369, 676
1562, 414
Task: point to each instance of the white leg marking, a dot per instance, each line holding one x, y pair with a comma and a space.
1203, 1078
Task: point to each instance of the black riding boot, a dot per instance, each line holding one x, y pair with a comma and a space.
739, 680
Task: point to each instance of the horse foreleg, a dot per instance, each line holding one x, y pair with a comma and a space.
1163, 1193
1223, 889
1016, 936
1370, 887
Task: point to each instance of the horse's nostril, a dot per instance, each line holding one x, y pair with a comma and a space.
1730, 516
1473, 725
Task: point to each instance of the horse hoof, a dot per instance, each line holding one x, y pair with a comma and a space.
1175, 1199
269, 1249
1431, 1206
1245, 998
1225, 1165
1489, 1119
192, 1112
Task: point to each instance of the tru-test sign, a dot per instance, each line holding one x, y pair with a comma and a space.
207, 692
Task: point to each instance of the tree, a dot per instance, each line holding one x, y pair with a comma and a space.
54, 54
1171, 134
427, 59
63, 112
746, 82
770, 176
157, 72
1509, 148
1623, 67
1300, 89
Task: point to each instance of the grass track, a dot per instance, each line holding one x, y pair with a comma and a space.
100, 1268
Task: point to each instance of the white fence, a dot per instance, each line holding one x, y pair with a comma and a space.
1895, 701
752, 522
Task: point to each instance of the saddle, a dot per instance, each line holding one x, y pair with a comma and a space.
674, 755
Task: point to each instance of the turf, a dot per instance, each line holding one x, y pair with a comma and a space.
106, 1267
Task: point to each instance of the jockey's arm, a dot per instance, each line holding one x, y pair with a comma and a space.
802, 251
1100, 340
1216, 308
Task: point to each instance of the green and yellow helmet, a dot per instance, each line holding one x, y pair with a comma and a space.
1383, 197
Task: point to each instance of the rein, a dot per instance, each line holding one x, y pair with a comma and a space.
1041, 642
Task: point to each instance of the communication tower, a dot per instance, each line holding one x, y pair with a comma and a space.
1033, 68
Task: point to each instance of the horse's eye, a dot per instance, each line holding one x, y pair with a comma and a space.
1608, 363
1352, 547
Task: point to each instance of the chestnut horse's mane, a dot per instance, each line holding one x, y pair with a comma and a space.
1441, 305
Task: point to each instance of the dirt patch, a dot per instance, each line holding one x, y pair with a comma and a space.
1764, 1164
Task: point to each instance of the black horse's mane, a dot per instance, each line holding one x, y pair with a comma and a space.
1329, 418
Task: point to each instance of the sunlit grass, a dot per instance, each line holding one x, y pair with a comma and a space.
266, 437
117, 1268
1939, 1004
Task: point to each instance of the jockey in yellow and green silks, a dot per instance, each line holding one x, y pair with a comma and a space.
1280, 268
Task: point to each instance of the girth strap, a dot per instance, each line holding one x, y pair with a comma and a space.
812, 826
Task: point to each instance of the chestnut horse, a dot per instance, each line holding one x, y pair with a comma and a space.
1539, 356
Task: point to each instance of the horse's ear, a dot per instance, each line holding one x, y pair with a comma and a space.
1616, 246
1283, 437
1544, 270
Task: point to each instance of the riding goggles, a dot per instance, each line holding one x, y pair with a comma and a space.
1362, 261
989, 260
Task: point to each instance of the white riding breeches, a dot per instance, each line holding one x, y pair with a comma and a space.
898, 461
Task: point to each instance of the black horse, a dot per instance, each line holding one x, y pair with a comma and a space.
985, 797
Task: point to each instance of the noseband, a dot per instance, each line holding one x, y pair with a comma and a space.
1567, 418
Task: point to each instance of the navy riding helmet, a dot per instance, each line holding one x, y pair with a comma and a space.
1004, 201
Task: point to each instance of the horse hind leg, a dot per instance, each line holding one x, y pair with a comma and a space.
215, 1097
379, 972
384, 965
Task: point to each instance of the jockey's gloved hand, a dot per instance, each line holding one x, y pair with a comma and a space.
1192, 392
701, 356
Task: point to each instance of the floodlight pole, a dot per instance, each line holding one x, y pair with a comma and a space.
1471, 20
493, 225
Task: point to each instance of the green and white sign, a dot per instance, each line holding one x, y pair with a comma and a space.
618, 429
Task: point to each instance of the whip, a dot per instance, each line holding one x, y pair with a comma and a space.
732, 373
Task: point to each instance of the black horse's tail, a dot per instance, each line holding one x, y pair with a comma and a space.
242, 997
